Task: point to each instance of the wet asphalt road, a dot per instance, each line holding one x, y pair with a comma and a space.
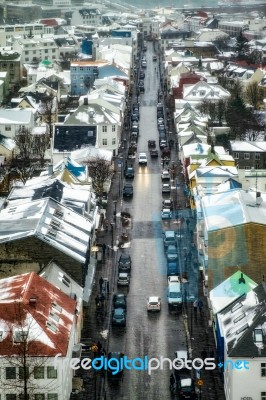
157, 334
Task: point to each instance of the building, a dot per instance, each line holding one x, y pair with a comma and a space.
10, 63
8, 33
21, 13
86, 16
232, 28
38, 322
231, 231
36, 49
38, 231
241, 327
12, 120
249, 154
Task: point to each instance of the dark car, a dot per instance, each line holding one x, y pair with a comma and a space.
152, 143
141, 82
128, 190
119, 317
135, 117
185, 388
129, 173
124, 263
141, 74
173, 268
115, 366
120, 300
141, 89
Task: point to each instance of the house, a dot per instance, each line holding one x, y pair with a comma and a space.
96, 120
248, 154
36, 48
187, 78
241, 326
38, 322
10, 62
86, 16
12, 120
34, 233
232, 225
201, 90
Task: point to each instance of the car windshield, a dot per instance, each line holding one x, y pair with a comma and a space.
153, 303
175, 295
171, 251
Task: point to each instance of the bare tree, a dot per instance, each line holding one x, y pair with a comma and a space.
24, 142
100, 171
22, 358
254, 94
48, 111
41, 144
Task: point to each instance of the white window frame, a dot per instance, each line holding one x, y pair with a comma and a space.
113, 141
257, 156
104, 142
104, 128
236, 156
113, 128
263, 370
246, 156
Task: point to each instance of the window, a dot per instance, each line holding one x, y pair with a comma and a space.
104, 142
52, 396
247, 167
113, 141
10, 372
246, 156
81, 68
7, 128
113, 128
46, 51
38, 372
27, 52
263, 370
11, 397
104, 128
22, 372
39, 396
236, 156
257, 156
51, 373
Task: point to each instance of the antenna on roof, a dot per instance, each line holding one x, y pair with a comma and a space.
241, 279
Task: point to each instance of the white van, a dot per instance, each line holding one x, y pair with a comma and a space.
174, 296
143, 159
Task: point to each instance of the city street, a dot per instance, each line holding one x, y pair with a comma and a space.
157, 334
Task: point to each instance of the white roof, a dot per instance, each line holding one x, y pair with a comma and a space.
231, 208
247, 146
15, 116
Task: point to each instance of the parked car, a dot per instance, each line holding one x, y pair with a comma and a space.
167, 203
173, 268
166, 188
119, 317
124, 262
154, 303
120, 300
160, 121
171, 253
186, 389
141, 89
165, 175
129, 173
115, 367
128, 190
154, 58
143, 159
141, 82
163, 144
123, 279
169, 237
141, 74
183, 356
166, 213
135, 128
135, 117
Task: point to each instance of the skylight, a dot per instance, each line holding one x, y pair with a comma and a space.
242, 329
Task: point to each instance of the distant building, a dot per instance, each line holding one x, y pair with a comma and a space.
8, 33
10, 62
86, 16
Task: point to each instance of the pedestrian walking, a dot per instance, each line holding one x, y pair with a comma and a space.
172, 382
99, 347
104, 249
204, 354
200, 306
94, 349
97, 300
195, 308
101, 283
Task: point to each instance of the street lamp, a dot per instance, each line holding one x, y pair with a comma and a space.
115, 203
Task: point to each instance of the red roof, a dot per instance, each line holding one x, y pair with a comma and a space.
49, 22
30, 304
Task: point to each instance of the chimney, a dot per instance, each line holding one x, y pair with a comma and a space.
85, 102
33, 301
50, 169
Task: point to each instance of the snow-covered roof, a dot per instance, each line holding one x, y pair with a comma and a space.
238, 145
88, 153
242, 324
15, 116
230, 290
49, 221
234, 207
30, 304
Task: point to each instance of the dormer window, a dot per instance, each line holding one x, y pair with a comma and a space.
20, 336
56, 307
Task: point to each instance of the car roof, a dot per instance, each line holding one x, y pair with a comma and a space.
123, 274
181, 354
166, 210
142, 154
119, 310
153, 299
124, 255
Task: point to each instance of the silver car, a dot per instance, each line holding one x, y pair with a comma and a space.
123, 279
